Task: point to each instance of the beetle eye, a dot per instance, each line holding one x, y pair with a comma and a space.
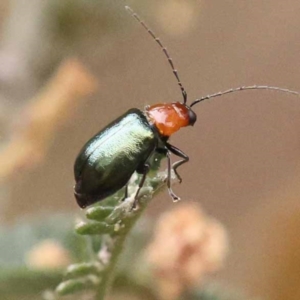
192, 117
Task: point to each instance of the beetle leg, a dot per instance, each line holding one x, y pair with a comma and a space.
126, 193
144, 172
171, 193
181, 154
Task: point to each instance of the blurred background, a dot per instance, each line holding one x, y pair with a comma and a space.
79, 64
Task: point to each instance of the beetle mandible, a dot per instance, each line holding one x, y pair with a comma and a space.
104, 165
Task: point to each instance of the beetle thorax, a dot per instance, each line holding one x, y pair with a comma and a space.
168, 117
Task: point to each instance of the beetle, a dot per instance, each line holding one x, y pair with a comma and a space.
126, 145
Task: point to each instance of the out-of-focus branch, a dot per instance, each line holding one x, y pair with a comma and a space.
44, 115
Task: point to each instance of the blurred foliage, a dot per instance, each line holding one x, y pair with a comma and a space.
132, 277
18, 240
75, 19
16, 278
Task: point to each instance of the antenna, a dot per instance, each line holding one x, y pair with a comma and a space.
245, 88
184, 94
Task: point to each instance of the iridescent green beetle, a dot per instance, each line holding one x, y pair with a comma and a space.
108, 160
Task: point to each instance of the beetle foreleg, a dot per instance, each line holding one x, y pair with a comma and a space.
144, 172
171, 193
181, 154
126, 193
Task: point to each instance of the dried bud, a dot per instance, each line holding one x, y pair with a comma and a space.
187, 245
48, 254
177, 17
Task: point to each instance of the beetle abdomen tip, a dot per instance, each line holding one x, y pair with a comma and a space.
81, 199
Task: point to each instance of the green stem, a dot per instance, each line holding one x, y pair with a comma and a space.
118, 240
